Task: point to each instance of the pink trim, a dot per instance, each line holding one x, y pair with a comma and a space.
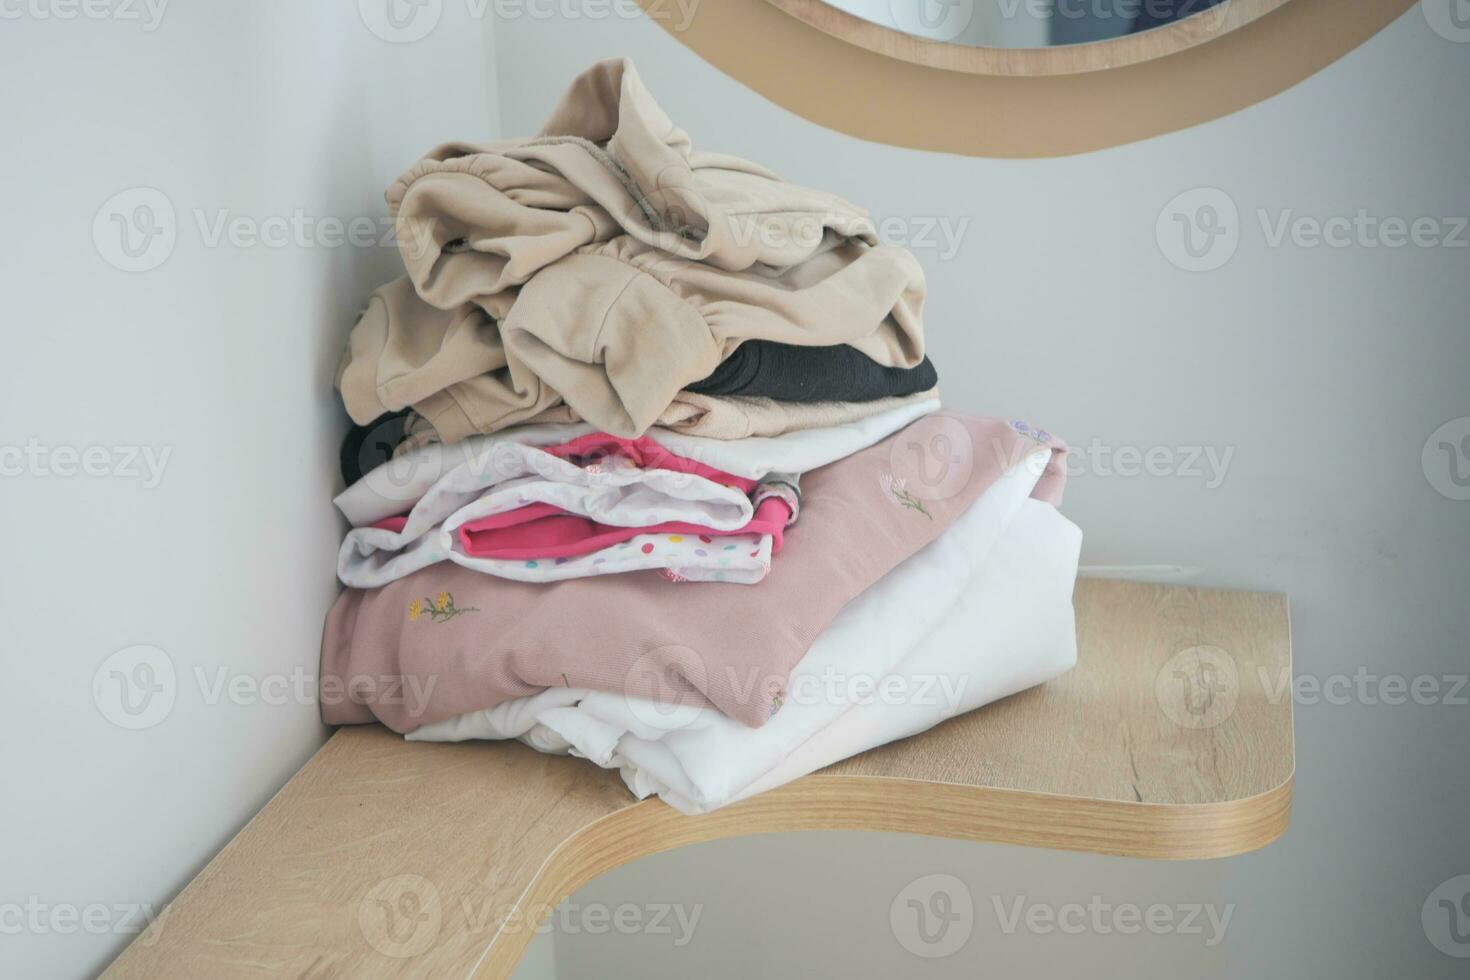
545, 531
643, 452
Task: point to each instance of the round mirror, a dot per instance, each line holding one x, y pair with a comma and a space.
1023, 23
1023, 78
1027, 37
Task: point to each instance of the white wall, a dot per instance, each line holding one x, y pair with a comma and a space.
1323, 370
222, 356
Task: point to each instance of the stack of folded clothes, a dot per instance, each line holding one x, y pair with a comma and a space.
649, 467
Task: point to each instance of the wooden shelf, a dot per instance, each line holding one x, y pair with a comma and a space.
383, 858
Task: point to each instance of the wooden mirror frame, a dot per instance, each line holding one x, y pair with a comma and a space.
892, 96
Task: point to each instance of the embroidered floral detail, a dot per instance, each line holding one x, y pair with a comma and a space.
442, 608
894, 487
1040, 435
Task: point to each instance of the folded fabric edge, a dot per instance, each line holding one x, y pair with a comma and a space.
396, 485
1048, 626
552, 721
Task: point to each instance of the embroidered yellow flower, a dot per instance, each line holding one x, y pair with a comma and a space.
440, 609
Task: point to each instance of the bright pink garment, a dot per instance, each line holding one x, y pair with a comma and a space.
588, 452
546, 531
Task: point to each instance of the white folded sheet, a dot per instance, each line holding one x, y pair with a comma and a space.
393, 487
1012, 629
981, 613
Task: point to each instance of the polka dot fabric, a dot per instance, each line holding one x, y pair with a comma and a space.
739, 559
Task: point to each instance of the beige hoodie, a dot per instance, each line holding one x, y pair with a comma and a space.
606, 264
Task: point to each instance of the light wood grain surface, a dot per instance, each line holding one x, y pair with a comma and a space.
385, 858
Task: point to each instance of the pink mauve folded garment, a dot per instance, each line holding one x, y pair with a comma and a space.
446, 640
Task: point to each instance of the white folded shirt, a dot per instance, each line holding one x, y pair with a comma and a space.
982, 612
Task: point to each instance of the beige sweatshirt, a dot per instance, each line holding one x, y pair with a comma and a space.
605, 264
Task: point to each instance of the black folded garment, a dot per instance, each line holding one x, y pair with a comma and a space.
366, 447
763, 368
788, 373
